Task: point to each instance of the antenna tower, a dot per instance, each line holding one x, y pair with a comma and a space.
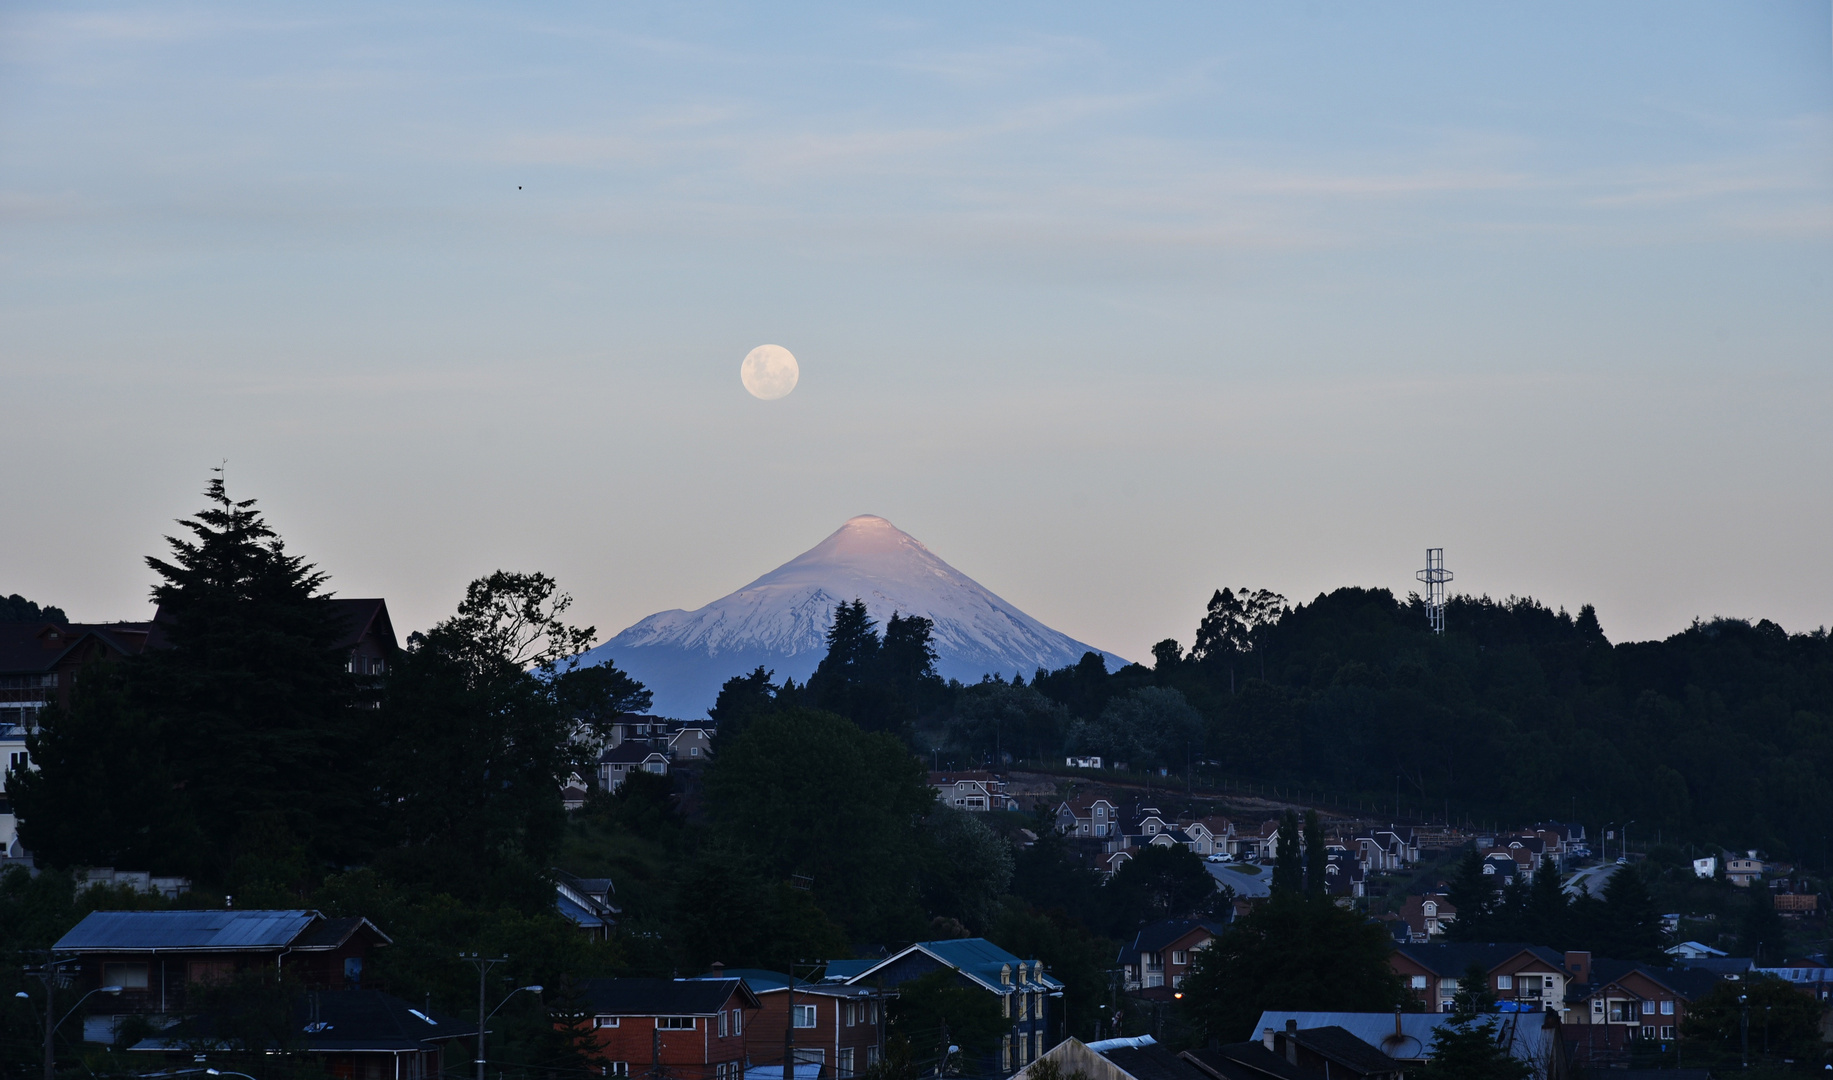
1435, 575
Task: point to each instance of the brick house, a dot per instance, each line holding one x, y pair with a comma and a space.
839, 1027
1022, 988
693, 1029
156, 956
1160, 955
1611, 1004
1529, 975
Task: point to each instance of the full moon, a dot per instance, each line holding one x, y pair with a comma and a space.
769, 372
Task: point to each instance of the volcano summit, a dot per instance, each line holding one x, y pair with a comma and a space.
781, 621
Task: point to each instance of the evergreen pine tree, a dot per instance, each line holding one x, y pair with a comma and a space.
1632, 923
1473, 893
1548, 918
1468, 1049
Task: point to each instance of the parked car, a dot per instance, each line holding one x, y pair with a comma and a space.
1221, 856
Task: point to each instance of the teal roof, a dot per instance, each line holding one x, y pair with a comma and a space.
980, 960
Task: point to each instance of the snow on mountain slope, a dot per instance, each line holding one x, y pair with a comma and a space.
781, 620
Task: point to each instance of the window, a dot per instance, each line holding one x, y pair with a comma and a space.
722, 1033
1648, 1008
206, 971
1622, 1012
675, 1023
871, 1056
1180, 956
605, 1022
852, 1013
126, 976
694, 752
618, 1068
738, 1021
846, 1061
1667, 1032
719, 1071
805, 1016
1648, 1033
1419, 982
1505, 982
1667, 1008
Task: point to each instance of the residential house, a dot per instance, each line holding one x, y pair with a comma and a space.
39, 662
1529, 975
1160, 955
1212, 835
1022, 987
1259, 845
1693, 950
349, 1034
157, 956
1501, 868
1344, 875
1088, 817
1427, 916
687, 1029
1611, 1004
586, 903
617, 763
1744, 870
1330, 1051
839, 1027
690, 743
1811, 976
1389, 850
974, 791
1534, 1039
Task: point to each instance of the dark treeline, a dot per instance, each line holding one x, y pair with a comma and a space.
1721, 734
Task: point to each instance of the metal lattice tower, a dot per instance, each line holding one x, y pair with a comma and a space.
1435, 575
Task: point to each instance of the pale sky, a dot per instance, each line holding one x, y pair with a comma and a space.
1110, 305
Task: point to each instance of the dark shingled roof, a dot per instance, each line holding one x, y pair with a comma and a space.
330, 933
353, 1019
1155, 937
1341, 1046
1151, 1063
664, 997
1452, 960
191, 931
1244, 1061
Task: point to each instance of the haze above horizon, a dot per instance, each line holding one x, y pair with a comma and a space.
1109, 308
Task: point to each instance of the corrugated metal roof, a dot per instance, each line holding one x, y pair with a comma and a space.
200, 931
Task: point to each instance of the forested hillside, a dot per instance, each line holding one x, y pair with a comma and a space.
1720, 734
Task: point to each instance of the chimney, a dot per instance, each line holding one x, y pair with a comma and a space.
1266, 1038
1398, 1033
1578, 965
718, 969
1292, 1041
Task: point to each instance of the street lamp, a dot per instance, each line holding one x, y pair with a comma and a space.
484, 1018
52, 1021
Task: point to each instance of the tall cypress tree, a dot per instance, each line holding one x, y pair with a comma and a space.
1317, 859
1288, 864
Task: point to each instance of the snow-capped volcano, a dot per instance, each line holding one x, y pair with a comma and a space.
781, 621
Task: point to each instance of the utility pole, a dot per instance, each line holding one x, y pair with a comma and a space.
483, 965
